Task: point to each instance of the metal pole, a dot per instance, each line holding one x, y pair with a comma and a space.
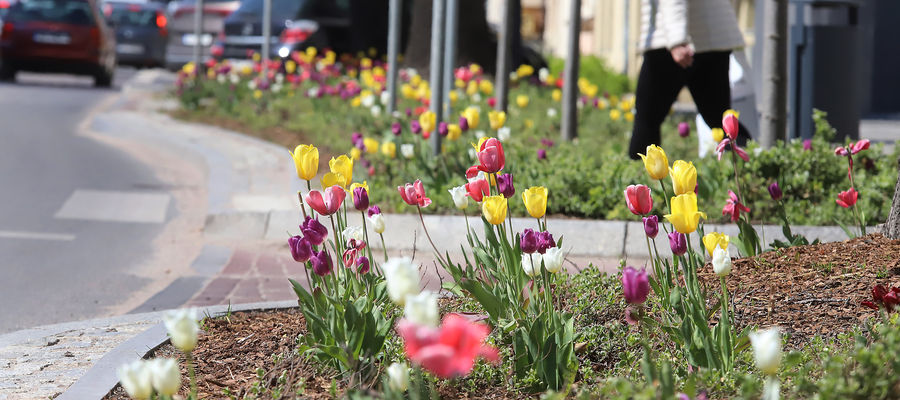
266, 35
501, 79
449, 54
393, 49
435, 70
627, 36
570, 74
198, 34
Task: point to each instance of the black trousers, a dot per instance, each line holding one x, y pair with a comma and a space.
658, 85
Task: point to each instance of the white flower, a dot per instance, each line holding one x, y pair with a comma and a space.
579, 104
234, 78
503, 134
183, 327
276, 88
279, 77
513, 75
531, 263
422, 309
721, 262
767, 350
460, 200
353, 232
368, 101
376, 111
402, 278
377, 221
397, 114
543, 74
553, 259
476, 97
408, 150
551, 112
398, 376
479, 134
473, 154
166, 376
252, 84
136, 379
312, 92
411, 72
385, 97
320, 65
220, 78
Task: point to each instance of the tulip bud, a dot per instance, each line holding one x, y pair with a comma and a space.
730, 124
678, 243
553, 260
443, 129
321, 263
775, 191
422, 309
767, 350
415, 127
463, 124
362, 265
542, 154
396, 128
377, 221
136, 379
807, 144
360, 198
460, 200
684, 129
402, 279
183, 327
721, 262
651, 226
638, 199
505, 184
636, 285
166, 376
398, 377
301, 249
528, 241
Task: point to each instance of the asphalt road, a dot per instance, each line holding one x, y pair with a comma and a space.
76, 216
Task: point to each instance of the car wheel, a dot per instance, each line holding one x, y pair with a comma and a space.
7, 73
103, 79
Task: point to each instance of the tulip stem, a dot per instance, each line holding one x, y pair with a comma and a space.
383, 247
421, 218
190, 366
368, 245
337, 245
466, 215
309, 189
302, 205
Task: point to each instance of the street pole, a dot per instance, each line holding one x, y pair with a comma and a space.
266, 35
449, 54
501, 78
435, 70
198, 34
393, 50
773, 123
570, 74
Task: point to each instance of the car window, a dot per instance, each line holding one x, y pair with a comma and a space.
122, 16
76, 12
288, 8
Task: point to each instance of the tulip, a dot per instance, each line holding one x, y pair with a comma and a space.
328, 203
183, 327
415, 127
733, 207
449, 351
472, 115
503, 133
545, 242
460, 200
494, 209
377, 221
301, 249
353, 232
730, 124
651, 226
635, 285
807, 144
775, 191
373, 210
715, 240
306, 160
402, 279
678, 243
884, 297
342, 166
535, 199
463, 124
396, 128
362, 265
553, 260
490, 156
477, 189
542, 154
684, 177
528, 241
443, 129
137, 379
371, 145
407, 150
165, 375
497, 119
684, 129
522, 101
389, 149
314, 231
767, 350
422, 309
427, 121
685, 217
360, 198
717, 134
321, 263
847, 198
414, 194
721, 262
531, 263
720, 149
505, 185
655, 162
638, 199
398, 377
454, 132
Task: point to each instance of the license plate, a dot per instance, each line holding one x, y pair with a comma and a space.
189, 39
129, 49
52, 38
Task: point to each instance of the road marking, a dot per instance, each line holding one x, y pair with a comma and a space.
36, 236
115, 206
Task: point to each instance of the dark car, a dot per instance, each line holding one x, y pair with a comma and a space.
180, 48
296, 25
141, 32
67, 36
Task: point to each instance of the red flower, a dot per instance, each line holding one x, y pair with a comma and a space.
414, 194
730, 125
491, 102
491, 156
638, 199
884, 297
847, 198
852, 148
472, 172
734, 207
477, 189
448, 351
720, 149
328, 204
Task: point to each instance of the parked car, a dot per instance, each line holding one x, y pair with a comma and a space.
67, 36
180, 47
141, 32
296, 25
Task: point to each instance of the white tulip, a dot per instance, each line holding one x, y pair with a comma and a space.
398, 376
767, 350
376, 111
377, 221
234, 78
553, 259
476, 97
531, 263
251, 85
551, 112
368, 101
276, 88
460, 200
543, 74
408, 150
397, 114
503, 133
183, 327
479, 134
721, 262
385, 97
279, 77
166, 375
312, 92
422, 309
353, 232
220, 78
136, 379
402, 278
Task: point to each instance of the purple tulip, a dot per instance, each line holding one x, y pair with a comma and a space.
362, 265
360, 198
542, 154
415, 127
408, 112
443, 129
356, 137
545, 241
373, 210
547, 142
321, 263
396, 128
301, 250
635, 285
463, 124
528, 241
651, 226
775, 191
684, 129
314, 231
678, 243
807, 144
505, 184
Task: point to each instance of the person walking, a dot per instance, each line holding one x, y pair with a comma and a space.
684, 42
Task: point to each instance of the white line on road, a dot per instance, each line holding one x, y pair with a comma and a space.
36, 236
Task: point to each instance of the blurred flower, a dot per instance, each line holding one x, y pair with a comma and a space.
414, 194
556, 95
402, 279
678, 243
503, 133
651, 226
389, 149
638, 199
733, 207
714, 240
486, 87
396, 128
553, 260
767, 350
328, 203
472, 115
443, 129
721, 262
718, 134
137, 379
497, 119
427, 121
301, 249
449, 351
542, 154
524, 70
551, 112
852, 148
415, 127
636, 285
505, 185
398, 377
321, 263
528, 241
847, 198
453, 132
314, 231
165, 375
522, 101
460, 200
884, 297
463, 124
615, 114
408, 150
183, 327
775, 191
371, 145
535, 199
655, 162
422, 309
477, 189
306, 160
807, 144
684, 129
685, 217
684, 177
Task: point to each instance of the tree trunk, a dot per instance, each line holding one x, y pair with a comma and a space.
774, 74
475, 44
891, 227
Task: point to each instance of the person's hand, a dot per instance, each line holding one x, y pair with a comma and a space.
683, 55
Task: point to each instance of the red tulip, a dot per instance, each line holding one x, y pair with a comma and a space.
730, 125
733, 207
847, 198
859, 146
472, 172
885, 297
414, 194
477, 189
638, 199
328, 204
491, 156
449, 351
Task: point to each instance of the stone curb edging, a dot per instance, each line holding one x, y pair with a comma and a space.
101, 379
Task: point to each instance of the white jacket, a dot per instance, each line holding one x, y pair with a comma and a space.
707, 25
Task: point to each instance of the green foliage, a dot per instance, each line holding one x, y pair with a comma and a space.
594, 69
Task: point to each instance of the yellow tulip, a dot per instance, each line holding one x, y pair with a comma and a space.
256, 57
330, 179
257, 94
290, 66
629, 116
656, 162
188, 68
684, 216
522, 101
615, 114
355, 154
342, 165
535, 199
389, 149
713, 239
591, 90
371, 145
459, 83
529, 123
494, 209
453, 131
718, 134
472, 115
602, 104
524, 70
415, 80
480, 142
453, 95
497, 119
407, 91
427, 121
475, 68
486, 86
306, 160
556, 94
551, 80
311, 52
472, 88
366, 63
356, 101
613, 100
684, 177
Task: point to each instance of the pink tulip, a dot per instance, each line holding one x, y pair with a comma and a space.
847, 198
328, 204
491, 156
477, 189
450, 350
730, 125
733, 207
859, 146
414, 194
638, 199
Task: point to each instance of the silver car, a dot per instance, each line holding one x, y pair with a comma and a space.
180, 48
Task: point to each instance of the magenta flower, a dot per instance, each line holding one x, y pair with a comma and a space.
415, 127
328, 203
450, 350
396, 128
321, 263
443, 128
636, 285
360, 198
720, 149
734, 207
505, 185
528, 241
463, 124
362, 265
542, 154
314, 231
651, 226
301, 250
775, 191
414, 194
684, 129
807, 144
373, 210
678, 243
853, 148
545, 241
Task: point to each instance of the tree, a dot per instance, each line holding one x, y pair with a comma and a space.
891, 227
